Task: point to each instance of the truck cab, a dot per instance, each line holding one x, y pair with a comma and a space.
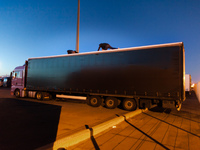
18, 80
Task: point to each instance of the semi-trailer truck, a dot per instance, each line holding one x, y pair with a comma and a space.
135, 77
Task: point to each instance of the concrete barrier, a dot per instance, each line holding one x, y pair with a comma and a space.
86, 134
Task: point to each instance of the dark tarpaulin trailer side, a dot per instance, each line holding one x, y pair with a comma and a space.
150, 71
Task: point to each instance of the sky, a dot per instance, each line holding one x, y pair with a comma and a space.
35, 28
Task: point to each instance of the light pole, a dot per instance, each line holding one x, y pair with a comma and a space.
78, 23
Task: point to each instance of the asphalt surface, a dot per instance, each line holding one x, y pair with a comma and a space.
156, 129
27, 124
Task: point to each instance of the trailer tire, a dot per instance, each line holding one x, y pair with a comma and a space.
111, 102
129, 104
17, 93
39, 96
94, 101
88, 100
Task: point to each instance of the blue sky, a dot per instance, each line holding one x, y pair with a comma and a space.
34, 28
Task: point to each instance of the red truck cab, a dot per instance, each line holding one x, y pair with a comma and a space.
18, 80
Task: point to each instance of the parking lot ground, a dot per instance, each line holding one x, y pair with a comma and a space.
155, 129
28, 123
75, 116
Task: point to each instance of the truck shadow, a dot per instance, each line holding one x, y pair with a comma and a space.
27, 125
160, 110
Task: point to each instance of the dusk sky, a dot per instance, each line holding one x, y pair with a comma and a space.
35, 28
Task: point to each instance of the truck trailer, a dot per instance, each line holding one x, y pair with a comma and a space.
135, 77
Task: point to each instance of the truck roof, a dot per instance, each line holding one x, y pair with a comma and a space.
115, 50
19, 67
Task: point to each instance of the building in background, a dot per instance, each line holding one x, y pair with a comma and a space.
188, 83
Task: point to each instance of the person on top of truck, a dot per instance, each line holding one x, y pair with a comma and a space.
105, 46
71, 51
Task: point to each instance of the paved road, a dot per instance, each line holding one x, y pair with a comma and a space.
26, 123
156, 129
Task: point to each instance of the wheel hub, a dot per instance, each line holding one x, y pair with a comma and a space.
129, 104
94, 101
110, 103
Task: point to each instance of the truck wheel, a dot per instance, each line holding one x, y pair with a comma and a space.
39, 96
95, 101
17, 93
111, 102
88, 100
129, 104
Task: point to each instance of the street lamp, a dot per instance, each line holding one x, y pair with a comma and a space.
78, 23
